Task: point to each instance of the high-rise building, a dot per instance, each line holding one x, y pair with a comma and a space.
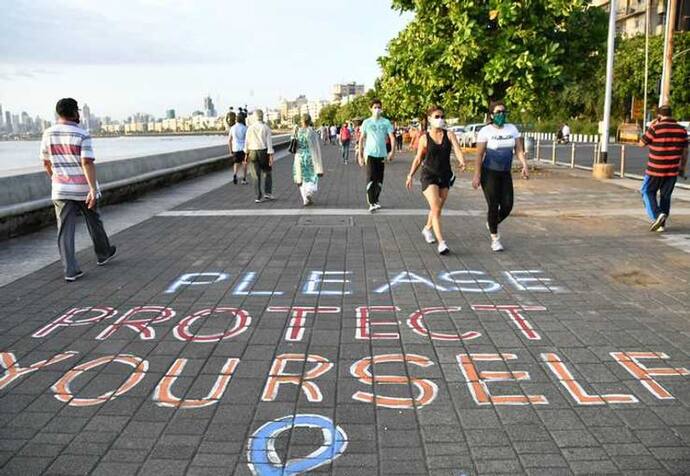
631, 16
341, 91
86, 117
170, 114
209, 108
2, 119
8, 121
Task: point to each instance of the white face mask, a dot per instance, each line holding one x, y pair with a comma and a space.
437, 123
377, 111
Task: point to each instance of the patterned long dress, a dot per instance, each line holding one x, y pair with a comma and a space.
305, 157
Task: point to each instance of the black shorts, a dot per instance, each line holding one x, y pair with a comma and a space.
442, 181
239, 157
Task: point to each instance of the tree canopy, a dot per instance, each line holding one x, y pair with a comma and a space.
461, 53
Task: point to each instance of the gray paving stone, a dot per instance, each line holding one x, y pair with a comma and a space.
598, 311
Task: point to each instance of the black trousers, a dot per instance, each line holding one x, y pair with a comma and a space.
375, 168
498, 191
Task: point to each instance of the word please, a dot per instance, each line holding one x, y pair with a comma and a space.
338, 283
472, 367
142, 319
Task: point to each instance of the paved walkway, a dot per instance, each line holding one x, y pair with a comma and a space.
231, 338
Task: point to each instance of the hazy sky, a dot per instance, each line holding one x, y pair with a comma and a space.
129, 56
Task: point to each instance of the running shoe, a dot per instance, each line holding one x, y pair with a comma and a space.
661, 229
496, 244
443, 248
372, 208
260, 200
74, 277
377, 205
428, 235
658, 222
105, 261
234, 179
269, 197
244, 181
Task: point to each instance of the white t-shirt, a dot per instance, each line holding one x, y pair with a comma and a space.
500, 143
238, 132
334, 130
565, 131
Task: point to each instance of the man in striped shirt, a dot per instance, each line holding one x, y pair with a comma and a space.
69, 161
668, 157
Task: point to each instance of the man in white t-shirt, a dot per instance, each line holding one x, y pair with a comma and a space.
236, 139
565, 131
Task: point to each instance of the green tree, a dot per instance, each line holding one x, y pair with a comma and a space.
328, 114
459, 53
629, 74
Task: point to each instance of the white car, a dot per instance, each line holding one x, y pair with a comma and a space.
458, 131
469, 137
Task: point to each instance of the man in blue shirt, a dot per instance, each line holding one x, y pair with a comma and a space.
372, 151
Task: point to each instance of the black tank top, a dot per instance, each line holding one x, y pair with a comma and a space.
437, 160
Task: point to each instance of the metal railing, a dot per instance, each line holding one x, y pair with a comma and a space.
628, 160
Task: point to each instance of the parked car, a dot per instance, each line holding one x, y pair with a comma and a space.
458, 131
469, 137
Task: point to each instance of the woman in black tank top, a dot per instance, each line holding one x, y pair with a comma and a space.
433, 154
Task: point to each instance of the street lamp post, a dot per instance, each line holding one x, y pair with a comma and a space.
604, 150
671, 9
648, 16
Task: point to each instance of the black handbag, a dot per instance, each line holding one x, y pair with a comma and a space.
292, 148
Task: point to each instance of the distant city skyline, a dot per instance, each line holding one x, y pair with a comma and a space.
141, 56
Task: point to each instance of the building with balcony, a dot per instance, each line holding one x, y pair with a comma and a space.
631, 15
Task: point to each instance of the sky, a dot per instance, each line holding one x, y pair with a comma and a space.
127, 56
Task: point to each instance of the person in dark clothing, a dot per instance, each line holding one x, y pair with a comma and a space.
433, 154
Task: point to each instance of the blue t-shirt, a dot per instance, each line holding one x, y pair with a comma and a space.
500, 143
376, 131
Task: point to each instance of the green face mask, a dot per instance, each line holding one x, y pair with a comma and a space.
499, 119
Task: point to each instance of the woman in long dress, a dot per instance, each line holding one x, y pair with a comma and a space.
307, 167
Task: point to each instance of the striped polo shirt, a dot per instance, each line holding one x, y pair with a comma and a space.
65, 145
666, 140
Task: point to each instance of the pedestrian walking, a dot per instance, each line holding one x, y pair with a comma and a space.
372, 151
437, 174
334, 134
668, 158
345, 138
307, 167
496, 145
68, 159
398, 139
236, 139
324, 133
259, 149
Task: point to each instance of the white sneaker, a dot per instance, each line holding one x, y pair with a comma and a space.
377, 206
428, 235
268, 196
496, 244
372, 208
443, 248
